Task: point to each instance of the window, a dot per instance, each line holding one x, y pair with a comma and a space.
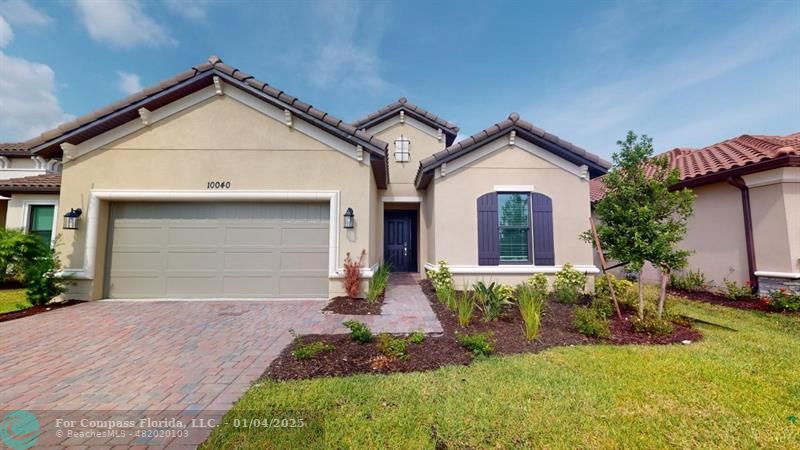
513, 212
402, 149
40, 221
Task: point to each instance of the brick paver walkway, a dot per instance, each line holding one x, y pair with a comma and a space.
192, 358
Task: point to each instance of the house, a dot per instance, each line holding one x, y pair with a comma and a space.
746, 222
29, 188
214, 184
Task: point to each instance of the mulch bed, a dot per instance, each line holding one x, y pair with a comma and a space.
354, 306
556, 330
710, 297
33, 310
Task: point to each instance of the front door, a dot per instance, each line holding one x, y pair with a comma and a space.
400, 240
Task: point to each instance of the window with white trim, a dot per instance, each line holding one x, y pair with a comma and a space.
41, 221
402, 149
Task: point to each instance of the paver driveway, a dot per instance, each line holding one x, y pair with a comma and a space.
148, 356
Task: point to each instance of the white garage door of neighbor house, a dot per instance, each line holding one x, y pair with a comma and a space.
218, 250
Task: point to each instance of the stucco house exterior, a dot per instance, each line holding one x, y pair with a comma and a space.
29, 187
213, 184
746, 222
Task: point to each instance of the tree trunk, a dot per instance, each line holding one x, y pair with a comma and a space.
641, 295
663, 294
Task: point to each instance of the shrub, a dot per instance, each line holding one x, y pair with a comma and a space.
481, 344
506, 293
378, 282
733, 291
652, 325
604, 306
392, 347
691, 281
622, 287
783, 300
465, 305
447, 296
352, 274
30, 259
307, 351
530, 300
359, 331
442, 277
416, 337
569, 284
489, 300
589, 322
540, 284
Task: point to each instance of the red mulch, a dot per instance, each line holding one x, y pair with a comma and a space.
354, 306
33, 310
710, 297
350, 357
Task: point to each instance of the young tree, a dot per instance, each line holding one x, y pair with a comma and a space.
640, 219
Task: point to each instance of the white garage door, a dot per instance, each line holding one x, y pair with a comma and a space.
217, 250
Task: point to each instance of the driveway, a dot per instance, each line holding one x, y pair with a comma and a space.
102, 357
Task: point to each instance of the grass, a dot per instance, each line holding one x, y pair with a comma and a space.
13, 300
731, 390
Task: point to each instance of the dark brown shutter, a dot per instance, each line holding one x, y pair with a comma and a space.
543, 249
488, 230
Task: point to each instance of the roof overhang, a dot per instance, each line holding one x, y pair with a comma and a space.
450, 134
376, 149
427, 171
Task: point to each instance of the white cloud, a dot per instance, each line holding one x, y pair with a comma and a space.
27, 98
20, 12
344, 54
196, 10
122, 23
129, 83
6, 34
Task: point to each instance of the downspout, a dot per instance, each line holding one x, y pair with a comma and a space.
739, 183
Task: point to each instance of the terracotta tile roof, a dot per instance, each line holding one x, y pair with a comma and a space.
14, 149
50, 182
402, 104
525, 130
718, 158
202, 75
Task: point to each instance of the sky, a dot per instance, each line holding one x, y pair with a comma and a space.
686, 73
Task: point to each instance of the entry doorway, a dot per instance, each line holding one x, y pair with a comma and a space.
400, 240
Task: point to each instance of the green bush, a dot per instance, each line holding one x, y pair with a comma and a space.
625, 290
489, 300
691, 281
378, 282
734, 291
304, 351
465, 305
569, 284
783, 300
392, 347
447, 296
30, 259
481, 344
416, 337
589, 322
442, 277
506, 293
652, 325
540, 284
530, 300
359, 331
604, 306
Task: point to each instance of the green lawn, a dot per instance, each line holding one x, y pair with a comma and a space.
13, 300
732, 390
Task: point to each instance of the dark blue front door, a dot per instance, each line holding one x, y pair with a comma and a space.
400, 240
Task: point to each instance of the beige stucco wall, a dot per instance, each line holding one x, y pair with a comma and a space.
401, 187
455, 207
17, 209
217, 140
775, 211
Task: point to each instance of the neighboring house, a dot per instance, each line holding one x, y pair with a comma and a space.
746, 222
29, 188
214, 184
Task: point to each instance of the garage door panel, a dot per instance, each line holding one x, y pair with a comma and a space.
194, 250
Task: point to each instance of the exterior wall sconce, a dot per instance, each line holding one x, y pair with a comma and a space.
349, 218
71, 219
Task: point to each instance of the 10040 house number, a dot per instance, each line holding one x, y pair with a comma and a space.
219, 185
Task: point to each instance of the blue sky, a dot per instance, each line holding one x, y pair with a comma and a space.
689, 74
